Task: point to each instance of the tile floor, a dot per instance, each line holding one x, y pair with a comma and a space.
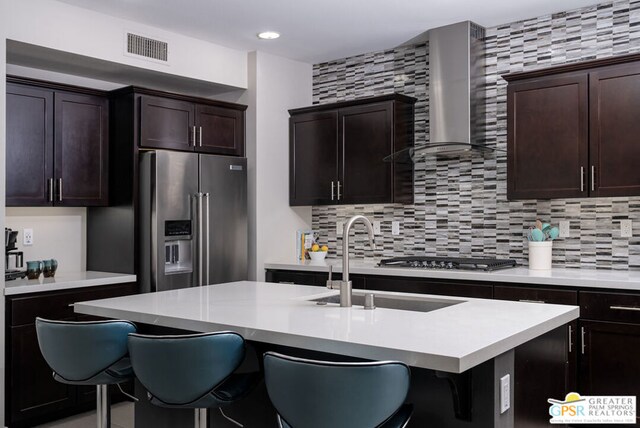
121, 417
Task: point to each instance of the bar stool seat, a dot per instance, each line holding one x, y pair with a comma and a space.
87, 353
194, 371
322, 394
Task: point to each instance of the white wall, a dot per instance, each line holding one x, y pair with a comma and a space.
58, 233
57, 25
276, 85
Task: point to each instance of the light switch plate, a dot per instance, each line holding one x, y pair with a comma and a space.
395, 228
27, 237
376, 228
565, 229
626, 229
505, 393
339, 228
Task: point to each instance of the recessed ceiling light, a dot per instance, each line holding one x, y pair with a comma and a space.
268, 35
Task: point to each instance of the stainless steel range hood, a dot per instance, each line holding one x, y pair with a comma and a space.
456, 85
456, 78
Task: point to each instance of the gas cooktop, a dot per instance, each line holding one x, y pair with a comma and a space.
484, 264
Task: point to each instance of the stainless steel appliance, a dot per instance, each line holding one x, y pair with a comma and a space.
193, 220
486, 264
13, 259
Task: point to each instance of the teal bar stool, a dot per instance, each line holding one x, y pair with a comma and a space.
193, 371
88, 353
321, 394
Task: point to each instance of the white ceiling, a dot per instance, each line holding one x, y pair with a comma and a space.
314, 31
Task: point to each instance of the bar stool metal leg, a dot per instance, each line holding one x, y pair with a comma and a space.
103, 406
200, 418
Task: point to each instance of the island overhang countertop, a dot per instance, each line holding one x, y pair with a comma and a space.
452, 339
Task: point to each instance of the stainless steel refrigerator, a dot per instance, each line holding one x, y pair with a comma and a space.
193, 220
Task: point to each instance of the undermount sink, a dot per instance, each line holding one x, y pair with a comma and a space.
393, 302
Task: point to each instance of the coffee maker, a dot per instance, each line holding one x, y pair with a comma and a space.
13, 259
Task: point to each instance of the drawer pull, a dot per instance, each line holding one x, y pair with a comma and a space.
286, 282
531, 301
625, 308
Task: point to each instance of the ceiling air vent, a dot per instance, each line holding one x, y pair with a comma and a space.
146, 47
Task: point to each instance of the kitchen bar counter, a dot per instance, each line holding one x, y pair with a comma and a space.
584, 278
64, 281
452, 339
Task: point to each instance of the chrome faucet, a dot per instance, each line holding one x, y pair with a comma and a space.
345, 284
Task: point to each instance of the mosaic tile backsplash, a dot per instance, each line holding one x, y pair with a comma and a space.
460, 204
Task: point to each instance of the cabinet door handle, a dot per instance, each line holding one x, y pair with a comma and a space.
582, 179
339, 190
570, 339
625, 308
59, 189
584, 345
50, 189
193, 135
593, 178
532, 301
332, 190
200, 136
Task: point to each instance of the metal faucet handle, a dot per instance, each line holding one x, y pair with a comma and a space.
331, 284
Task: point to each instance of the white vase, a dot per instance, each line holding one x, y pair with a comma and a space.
540, 255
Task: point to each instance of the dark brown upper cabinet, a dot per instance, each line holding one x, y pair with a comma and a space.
614, 107
336, 152
57, 145
572, 130
187, 124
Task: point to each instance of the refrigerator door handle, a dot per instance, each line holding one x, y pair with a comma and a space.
200, 239
207, 237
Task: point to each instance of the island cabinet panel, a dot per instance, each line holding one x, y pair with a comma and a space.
57, 145
341, 153
32, 395
572, 130
547, 152
177, 122
614, 99
546, 366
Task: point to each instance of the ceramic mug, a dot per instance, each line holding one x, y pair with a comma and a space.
34, 269
49, 268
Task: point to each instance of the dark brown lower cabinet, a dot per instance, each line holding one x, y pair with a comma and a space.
32, 395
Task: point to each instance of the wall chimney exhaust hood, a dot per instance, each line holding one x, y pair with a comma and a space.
456, 93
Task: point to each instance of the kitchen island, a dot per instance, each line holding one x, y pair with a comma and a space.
467, 339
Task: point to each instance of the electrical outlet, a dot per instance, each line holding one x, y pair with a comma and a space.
505, 393
376, 228
626, 229
339, 228
395, 228
565, 229
27, 236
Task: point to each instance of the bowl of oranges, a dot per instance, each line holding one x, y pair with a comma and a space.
317, 253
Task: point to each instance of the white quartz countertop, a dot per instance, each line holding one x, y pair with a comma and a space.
66, 280
592, 278
451, 339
